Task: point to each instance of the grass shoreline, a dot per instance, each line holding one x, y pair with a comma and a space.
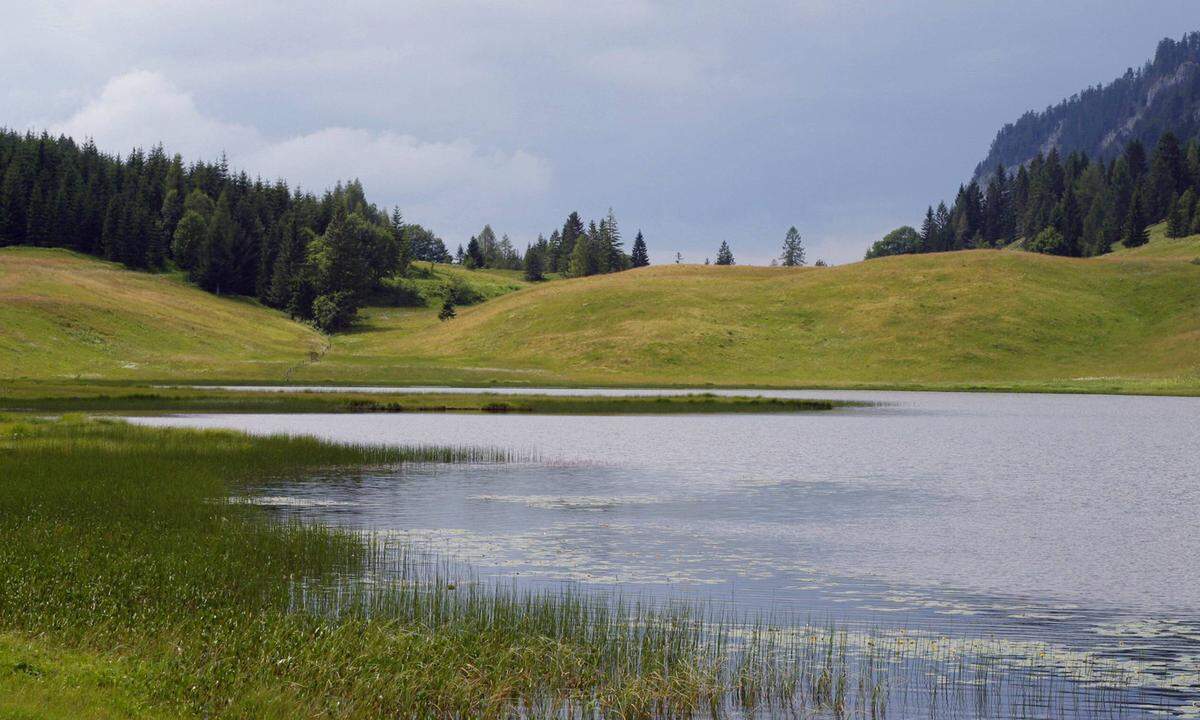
125, 398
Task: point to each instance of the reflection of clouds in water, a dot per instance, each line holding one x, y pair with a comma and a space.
573, 502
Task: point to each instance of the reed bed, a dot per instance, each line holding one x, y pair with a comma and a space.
121, 540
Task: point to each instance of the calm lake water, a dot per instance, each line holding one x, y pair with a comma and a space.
1067, 521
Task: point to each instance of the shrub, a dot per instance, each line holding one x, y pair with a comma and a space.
335, 311
1049, 241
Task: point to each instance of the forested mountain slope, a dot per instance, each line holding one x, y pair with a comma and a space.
1164, 94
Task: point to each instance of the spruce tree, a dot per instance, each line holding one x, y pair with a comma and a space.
724, 254
214, 259
615, 246
534, 269
173, 197
1168, 176
945, 227
571, 231
928, 232
582, 258
793, 250
1177, 219
639, 257
1135, 223
474, 257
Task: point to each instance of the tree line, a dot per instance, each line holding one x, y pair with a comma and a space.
315, 257
1075, 206
575, 250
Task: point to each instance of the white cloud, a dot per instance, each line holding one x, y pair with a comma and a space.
451, 185
141, 108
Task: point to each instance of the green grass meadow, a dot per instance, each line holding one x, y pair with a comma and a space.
977, 320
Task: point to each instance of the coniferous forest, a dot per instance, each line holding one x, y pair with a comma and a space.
317, 258
1073, 206
1083, 175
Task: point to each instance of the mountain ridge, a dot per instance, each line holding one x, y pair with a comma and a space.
1164, 94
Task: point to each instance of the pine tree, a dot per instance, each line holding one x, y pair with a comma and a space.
929, 232
571, 231
614, 246
1168, 176
39, 223
1177, 219
214, 259
639, 257
474, 257
173, 197
447, 311
1135, 159
1069, 222
724, 254
1187, 203
945, 228
1135, 223
793, 250
289, 262
534, 268
582, 258
996, 213
404, 244
598, 247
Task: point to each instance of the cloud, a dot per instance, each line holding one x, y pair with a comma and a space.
655, 69
417, 173
141, 108
451, 185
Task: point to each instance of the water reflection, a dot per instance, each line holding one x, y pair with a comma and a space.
1061, 524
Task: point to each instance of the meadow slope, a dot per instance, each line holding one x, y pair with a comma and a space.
970, 318
64, 315
1128, 322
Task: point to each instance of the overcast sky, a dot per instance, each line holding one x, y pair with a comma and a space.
696, 121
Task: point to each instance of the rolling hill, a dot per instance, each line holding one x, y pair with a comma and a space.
1129, 321
985, 318
65, 315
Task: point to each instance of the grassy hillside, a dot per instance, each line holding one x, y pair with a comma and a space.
428, 284
989, 319
67, 315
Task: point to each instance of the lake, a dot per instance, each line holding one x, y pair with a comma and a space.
1057, 523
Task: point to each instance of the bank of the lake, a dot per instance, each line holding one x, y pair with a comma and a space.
117, 545
129, 398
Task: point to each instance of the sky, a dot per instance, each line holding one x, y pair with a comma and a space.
696, 121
